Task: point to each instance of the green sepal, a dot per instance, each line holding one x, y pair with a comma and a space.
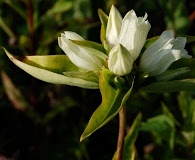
112, 101
86, 75
104, 19
129, 150
185, 62
90, 44
149, 42
171, 74
53, 63
50, 69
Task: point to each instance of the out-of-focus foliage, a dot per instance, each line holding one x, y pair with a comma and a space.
45, 121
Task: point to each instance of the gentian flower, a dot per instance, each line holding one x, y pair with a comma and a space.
162, 53
130, 32
83, 57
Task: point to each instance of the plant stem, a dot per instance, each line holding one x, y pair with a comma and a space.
121, 133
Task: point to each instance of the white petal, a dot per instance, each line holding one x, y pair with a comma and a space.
140, 36
152, 52
167, 60
113, 27
162, 41
148, 64
128, 30
120, 61
83, 57
134, 32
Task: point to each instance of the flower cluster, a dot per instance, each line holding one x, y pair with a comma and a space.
124, 40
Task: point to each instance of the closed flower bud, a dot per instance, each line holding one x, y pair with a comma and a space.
120, 61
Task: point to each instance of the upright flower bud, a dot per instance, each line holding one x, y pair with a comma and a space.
162, 53
120, 61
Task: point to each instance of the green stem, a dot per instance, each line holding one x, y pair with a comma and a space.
121, 133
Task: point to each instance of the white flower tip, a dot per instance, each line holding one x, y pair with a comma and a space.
72, 35
59, 42
145, 16
113, 9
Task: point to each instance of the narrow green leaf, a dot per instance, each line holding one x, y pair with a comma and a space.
187, 106
60, 6
169, 114
60, 64
185, 62
129, 151
112, 101
17, 7
48, 75
170, 74
6, 29
15, 96
90, 44
104, 19
170, 86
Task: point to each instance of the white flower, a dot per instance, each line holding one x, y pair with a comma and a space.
131, 31
84, 57
120, 62
162, 53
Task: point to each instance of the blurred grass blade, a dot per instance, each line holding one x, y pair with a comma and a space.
162, 127
169, 114
16, 7
129, 151
41, 70
61, 6
13, 93
190, 39
187, 108
112, 101
6, 29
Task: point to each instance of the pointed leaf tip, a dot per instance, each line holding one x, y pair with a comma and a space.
47, 75
112, 101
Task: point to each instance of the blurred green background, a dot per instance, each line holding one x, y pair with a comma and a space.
41, 121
